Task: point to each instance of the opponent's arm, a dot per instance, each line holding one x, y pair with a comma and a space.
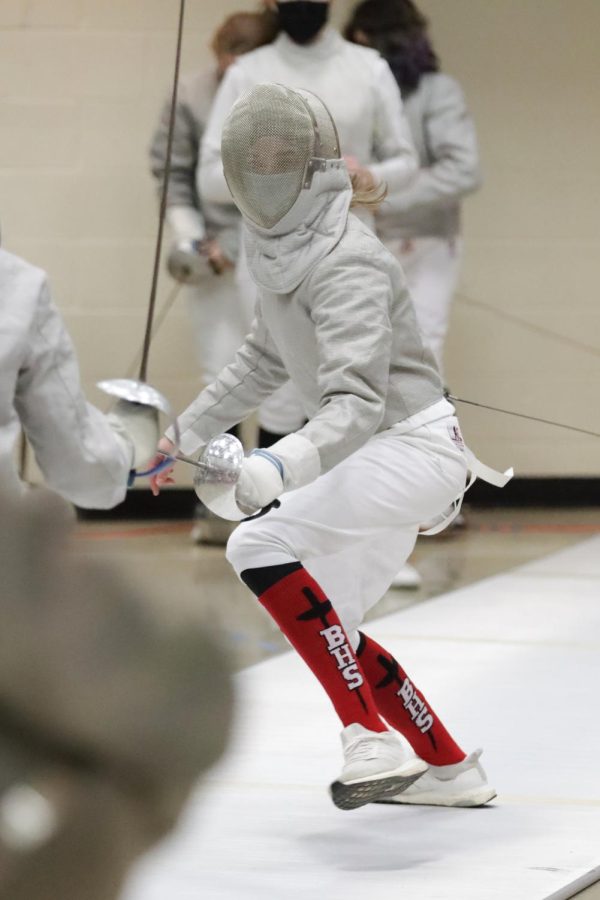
80, 455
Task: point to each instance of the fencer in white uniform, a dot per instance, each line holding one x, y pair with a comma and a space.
359, 89
84, 455
421, 224
381, 451
206, 235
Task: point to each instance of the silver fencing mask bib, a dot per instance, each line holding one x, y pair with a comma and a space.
273, 140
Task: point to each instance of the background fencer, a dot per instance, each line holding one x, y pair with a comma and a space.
381, 451
206, 235
421, 223
359, 88
83, 454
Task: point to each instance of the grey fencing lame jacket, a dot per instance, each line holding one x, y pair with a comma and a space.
444, 136
81, 456
188, 216
333, 312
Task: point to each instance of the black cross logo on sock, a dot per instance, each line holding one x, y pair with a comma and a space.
392, 669
319, 609
390, 666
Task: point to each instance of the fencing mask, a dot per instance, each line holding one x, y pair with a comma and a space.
274, 140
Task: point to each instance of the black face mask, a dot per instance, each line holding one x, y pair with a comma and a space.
302, 19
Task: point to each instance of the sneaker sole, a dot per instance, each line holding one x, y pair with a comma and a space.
352, 795
466, 801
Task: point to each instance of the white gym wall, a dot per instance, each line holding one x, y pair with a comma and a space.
81, 83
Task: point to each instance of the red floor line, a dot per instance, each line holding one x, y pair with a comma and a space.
504, 528
164, 528
140, 531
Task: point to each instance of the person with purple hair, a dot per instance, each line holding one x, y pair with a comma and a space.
420, 224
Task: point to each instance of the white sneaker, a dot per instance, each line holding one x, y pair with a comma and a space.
407, 578
376, 765
462, 784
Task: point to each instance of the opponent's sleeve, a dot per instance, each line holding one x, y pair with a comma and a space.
210, 178
351, 313
393, 144
183, 204
452, 146
255, 373
79, 453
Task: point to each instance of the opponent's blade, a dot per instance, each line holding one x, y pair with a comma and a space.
136, 392
217, 475
180, 457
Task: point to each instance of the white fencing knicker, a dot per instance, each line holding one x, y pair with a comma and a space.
356, 525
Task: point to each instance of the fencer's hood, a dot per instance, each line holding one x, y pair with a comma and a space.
281, 158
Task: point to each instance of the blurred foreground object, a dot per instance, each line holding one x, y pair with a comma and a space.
111, 706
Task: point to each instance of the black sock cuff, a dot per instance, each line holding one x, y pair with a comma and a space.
261, 579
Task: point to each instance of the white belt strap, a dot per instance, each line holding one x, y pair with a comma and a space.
477, 469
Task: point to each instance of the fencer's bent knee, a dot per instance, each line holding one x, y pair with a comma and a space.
255, 544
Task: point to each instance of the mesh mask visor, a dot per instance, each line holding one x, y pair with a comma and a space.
268, 140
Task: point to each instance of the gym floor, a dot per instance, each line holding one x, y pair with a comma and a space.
179, 573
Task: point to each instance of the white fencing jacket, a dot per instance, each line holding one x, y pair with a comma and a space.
334, 314
81, 456
354, 82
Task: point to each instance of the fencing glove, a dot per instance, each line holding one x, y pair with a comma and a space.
260, 481
140, 425
186, 262
288, 464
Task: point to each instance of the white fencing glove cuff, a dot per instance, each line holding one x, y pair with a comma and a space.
260, 481
300, 459
140, 425
186, 223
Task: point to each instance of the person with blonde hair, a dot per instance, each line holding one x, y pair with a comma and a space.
342, 498
359, 89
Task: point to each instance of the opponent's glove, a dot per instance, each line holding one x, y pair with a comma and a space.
186, 262
260, 481
140, 425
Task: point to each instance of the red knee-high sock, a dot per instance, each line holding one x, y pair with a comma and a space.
404, 706
307, 618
